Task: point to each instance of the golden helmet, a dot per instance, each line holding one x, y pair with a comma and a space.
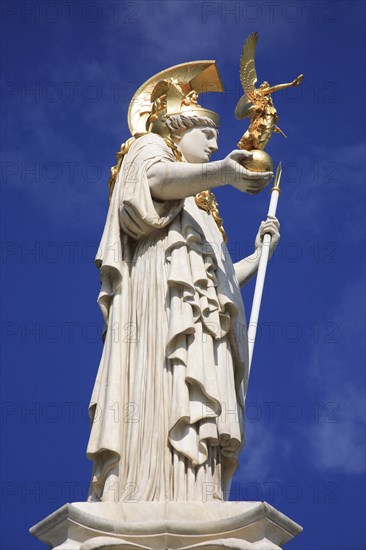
171, 92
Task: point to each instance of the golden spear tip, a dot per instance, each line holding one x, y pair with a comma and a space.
276, 185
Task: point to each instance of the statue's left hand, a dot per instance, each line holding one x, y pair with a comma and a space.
271, 226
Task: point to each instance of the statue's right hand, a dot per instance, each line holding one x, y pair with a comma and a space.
239, 177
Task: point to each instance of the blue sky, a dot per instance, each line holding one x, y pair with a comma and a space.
68, 73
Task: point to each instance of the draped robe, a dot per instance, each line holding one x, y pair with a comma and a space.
167, 405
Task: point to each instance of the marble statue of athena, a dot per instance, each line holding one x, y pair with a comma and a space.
168, 401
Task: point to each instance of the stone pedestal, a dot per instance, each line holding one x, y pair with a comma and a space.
166, 526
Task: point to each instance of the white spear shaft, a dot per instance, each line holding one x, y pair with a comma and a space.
261, 274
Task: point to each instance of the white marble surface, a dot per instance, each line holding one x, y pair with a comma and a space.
166, 525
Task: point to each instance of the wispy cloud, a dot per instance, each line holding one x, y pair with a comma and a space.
257, 457
328, 177
335, 376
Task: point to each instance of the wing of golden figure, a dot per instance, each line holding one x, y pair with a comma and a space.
248, 76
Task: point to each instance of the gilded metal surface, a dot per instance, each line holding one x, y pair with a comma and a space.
175, 149
260, 162
276, 185
257, 103
206, 200
173, 97
197, 76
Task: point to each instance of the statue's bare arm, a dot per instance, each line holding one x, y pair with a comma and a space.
178, 180
246, 268
278, 87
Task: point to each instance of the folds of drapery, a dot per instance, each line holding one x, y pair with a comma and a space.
184, 313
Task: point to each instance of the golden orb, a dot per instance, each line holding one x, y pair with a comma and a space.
260, 162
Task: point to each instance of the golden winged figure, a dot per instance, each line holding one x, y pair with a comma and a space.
257, 103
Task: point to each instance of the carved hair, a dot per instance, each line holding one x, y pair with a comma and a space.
177, 124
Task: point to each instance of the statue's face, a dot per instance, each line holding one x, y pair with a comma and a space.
198, 144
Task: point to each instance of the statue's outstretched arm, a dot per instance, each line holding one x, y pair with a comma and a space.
278, 87
174, 181
177, 180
